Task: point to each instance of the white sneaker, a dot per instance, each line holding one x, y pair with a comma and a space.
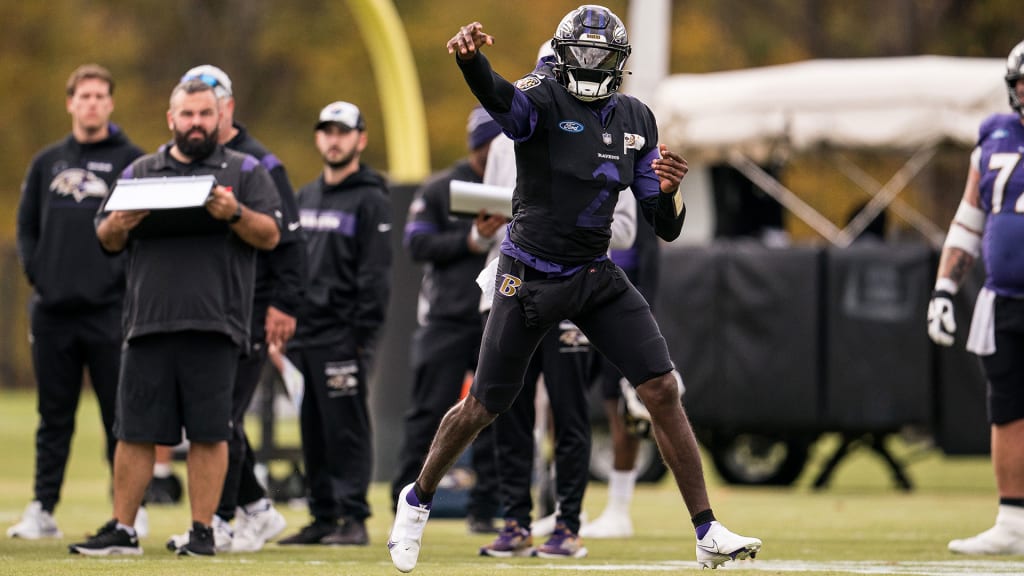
222, 537
141, 522
610, 524
720, 545
254, 529
35, 523
407, 531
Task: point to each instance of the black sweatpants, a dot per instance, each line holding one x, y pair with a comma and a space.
336, 435
441, 357
565, 359
63, 345
241, 486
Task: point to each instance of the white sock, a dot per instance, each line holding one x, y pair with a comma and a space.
621, 484
129, 529
1011, 517
161, 470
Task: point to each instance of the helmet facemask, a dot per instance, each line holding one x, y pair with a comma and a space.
590, 52
1014, 72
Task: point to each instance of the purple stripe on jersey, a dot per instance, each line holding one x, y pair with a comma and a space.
645, 182
418, 227
249, 163
128, 172
552, 269
625, 259
270, 162
333, 221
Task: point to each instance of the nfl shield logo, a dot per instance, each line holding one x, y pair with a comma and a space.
607, 139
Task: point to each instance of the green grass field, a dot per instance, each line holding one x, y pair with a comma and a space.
861, 525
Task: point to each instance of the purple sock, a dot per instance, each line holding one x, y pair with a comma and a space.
414, 500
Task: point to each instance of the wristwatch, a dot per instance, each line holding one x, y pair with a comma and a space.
237, 215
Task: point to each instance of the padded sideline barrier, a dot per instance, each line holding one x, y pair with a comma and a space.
876, 350
741, 322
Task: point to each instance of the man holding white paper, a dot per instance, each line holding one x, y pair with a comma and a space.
187, 315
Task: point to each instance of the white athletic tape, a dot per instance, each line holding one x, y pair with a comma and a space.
971, 217
946, 285
964, 239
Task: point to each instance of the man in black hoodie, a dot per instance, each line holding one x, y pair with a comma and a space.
346, 218
76, 308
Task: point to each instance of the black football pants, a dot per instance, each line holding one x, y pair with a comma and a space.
442, 355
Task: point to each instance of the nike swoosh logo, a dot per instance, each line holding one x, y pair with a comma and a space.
293, 226
383, 227
713, 548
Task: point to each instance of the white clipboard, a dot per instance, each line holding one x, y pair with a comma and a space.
160, 193
471, 198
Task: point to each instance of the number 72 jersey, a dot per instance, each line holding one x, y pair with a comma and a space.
999, 159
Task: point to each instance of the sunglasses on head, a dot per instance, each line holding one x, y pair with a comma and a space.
207, 79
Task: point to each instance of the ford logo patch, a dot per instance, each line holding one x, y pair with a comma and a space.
571, 126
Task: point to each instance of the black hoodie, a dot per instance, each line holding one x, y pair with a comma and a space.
348, 246
57, 242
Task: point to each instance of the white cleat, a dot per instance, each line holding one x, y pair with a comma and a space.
1006, 537
407, 531
35, 523
609, 525
720, 545
998, 539
253, 530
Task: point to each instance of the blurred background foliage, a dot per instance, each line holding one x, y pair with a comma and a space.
288, 59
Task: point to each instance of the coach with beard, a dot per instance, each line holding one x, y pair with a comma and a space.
186, 316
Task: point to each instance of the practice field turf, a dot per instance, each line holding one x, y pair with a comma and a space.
861, 525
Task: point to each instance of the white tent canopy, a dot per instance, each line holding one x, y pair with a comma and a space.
747, 117
908, 102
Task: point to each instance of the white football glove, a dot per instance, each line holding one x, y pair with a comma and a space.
941, 323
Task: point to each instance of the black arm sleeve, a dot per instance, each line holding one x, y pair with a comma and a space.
660, 212
493, 91
668, 224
